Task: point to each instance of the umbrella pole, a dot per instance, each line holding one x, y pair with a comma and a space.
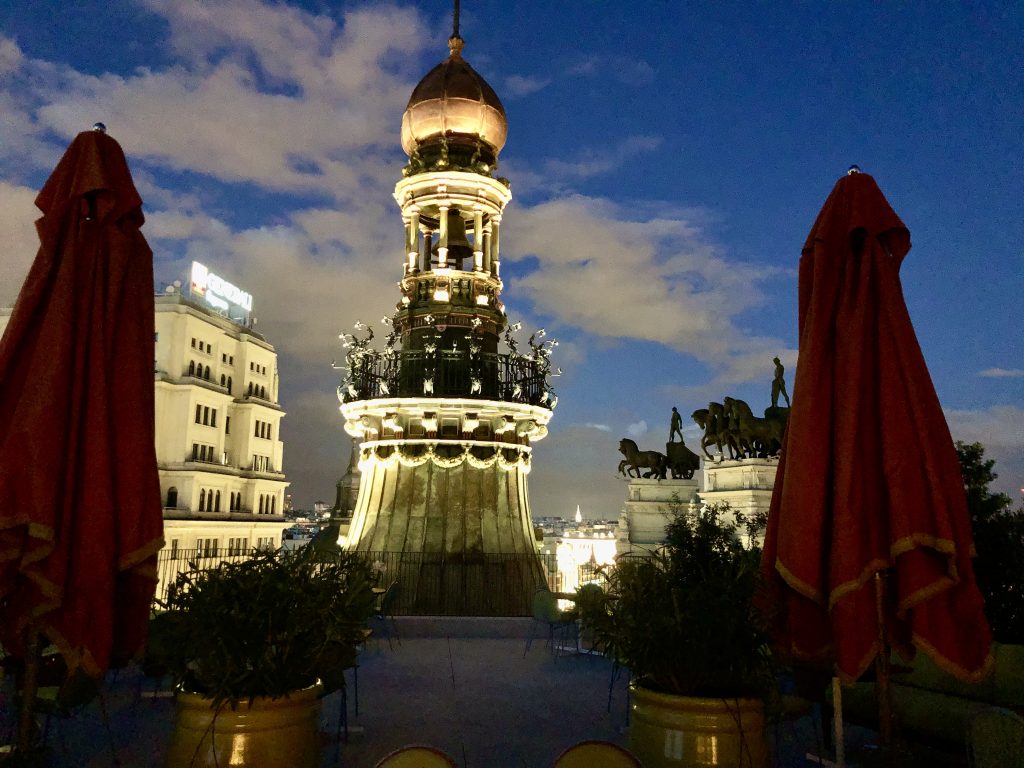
882, 688
839, 738
29, 688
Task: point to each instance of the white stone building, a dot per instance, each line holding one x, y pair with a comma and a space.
218, 423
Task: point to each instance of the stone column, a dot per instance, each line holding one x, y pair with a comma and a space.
478, 247
412, 238
495, 253
442, 241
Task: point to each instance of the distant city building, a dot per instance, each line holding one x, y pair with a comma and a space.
579, 546
218, 422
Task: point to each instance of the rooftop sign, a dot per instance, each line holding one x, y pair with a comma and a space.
217, 291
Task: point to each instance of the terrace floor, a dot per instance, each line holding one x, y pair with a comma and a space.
462, 685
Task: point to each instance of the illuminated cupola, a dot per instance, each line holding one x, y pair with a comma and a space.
447, 413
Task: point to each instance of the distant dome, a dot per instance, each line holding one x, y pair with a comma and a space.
453, 101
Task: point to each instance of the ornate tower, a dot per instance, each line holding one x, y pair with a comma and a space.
446, 417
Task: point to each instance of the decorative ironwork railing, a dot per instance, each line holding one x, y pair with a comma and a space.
430, 584
446, 373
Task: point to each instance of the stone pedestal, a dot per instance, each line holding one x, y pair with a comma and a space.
744, 484
647, 510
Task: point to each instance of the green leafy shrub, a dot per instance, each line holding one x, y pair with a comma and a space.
264, 627
682, 619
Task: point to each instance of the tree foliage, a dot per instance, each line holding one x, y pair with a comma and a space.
999, 541
682, 618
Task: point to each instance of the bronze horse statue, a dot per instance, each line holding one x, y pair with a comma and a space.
681, 460
637, 459
714, 420
756, 435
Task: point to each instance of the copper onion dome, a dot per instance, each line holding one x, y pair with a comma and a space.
452, 103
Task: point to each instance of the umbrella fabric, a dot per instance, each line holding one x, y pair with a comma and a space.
80, 511
869, 478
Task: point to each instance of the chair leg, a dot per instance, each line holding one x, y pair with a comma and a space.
343, 717
529, 638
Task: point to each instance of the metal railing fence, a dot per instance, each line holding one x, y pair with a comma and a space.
430, 584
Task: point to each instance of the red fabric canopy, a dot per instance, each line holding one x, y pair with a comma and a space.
869, 477
80, 515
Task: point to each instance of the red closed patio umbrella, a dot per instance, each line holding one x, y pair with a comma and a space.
80, 512
868, 482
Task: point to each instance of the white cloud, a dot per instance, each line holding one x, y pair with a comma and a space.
263, 93
607, 271
1002, 373
595, 162
517, 85
600, 427
1000, 429
10, 56
18, 239
637, 429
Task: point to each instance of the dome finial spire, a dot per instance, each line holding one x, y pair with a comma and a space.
455, 41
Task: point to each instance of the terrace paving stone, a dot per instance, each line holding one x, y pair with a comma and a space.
465, 688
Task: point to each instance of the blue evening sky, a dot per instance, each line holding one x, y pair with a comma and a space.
667, 160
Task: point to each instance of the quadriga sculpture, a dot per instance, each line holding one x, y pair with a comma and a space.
757, 436
717, 430
637, 459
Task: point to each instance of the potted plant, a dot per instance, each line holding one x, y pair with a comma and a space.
682, 620
253, 646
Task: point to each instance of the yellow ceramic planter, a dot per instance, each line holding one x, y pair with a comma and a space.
279, 733
668, 731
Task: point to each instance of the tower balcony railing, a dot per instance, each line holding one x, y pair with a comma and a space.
448, 373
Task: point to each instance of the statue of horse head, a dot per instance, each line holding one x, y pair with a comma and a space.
700, 417
626, 446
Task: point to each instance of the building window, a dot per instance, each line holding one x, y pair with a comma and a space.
199, 414
229, 385
191, 367
227, 425
206, 547
172, 498
193, 342
261, 503
216, 504
237, 546
202, 499
273, 505
213, 418
223, 378
206, 375
174, 549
